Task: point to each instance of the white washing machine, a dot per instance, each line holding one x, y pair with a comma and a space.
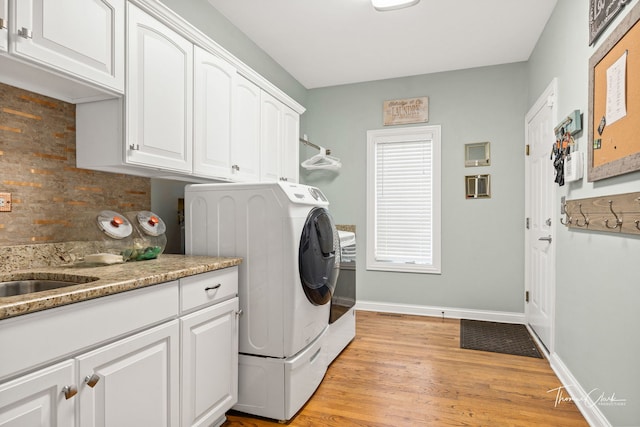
290, 251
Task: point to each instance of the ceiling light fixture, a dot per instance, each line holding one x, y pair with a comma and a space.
385, 5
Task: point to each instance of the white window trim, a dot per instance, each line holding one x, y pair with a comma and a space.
431, 133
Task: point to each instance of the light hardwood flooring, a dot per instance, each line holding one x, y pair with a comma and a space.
405, 370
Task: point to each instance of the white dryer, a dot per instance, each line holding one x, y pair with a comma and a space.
290, 251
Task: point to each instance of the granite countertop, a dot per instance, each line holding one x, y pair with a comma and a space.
111, 279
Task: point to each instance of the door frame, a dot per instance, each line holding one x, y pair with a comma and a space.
548, 96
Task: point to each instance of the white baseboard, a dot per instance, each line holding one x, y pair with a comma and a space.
580, 397
447, 312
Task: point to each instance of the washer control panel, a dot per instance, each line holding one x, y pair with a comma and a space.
304, 194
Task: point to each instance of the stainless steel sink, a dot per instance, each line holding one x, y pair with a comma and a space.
28, 286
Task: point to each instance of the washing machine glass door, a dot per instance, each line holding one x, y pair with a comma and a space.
319, 256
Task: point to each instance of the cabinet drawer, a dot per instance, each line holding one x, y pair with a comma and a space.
71, 328
208, 288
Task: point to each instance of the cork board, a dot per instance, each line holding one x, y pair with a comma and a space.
614, 148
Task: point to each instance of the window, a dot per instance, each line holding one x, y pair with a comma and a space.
403, 199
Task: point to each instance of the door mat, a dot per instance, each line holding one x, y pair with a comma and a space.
497, 337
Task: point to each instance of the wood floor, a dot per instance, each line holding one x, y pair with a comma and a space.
409, 371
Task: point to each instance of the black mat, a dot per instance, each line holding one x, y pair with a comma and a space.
498, 338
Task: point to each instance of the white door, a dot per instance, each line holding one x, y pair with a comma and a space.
214, 84
159, 101
541, 217
209, 363
81, 37
133, 382
245, 145
38, 399
4, 20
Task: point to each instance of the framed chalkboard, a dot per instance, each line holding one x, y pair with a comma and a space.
601, 13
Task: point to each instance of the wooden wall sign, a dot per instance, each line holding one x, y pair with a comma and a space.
406, 111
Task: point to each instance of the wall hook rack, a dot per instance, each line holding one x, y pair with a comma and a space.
616, 213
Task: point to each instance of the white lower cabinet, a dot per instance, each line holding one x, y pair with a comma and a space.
209, 364
38, 399
176, 365
133, 382
129, 383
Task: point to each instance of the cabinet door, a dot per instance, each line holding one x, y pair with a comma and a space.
213, 92
137, 381
290, 148
84, 38
245, 145
4, 19
159, 100
209, 363
38, 400
270, 135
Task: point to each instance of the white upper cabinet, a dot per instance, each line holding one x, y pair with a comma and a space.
271, 133
159, 101
290, 145
245, 145
280, 129
214, 84
191, 111
81, 38
4, 19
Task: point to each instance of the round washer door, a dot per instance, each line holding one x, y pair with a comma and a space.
319, 257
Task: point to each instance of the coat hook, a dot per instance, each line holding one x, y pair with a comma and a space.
566, 212
618, 220
586, 218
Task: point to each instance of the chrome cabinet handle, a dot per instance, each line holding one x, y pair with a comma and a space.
212, 288
239, 313
25, 33
134, 147
235, 168
69, 391
545, 239
92, 380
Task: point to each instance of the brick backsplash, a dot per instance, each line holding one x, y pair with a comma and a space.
51, 197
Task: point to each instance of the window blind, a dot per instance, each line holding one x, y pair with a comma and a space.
404, 202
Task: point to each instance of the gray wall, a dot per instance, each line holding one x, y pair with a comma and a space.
597, 281
482, 240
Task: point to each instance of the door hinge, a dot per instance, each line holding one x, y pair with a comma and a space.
526, 150
526, 296
527, 223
